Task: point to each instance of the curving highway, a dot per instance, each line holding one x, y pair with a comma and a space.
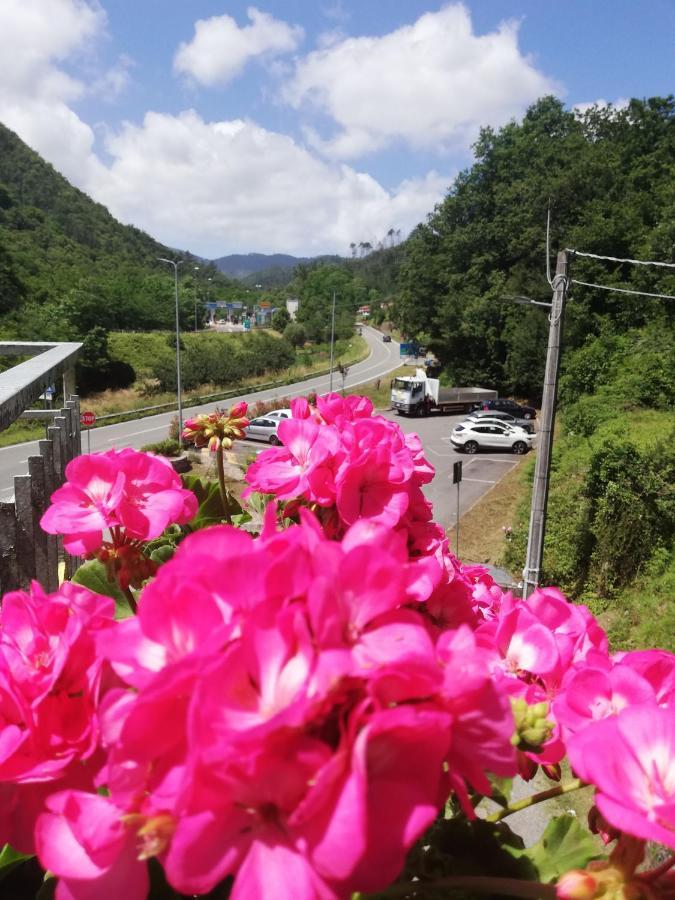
383, 358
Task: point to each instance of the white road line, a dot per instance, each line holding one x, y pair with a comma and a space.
135, 433
478, 480
436, 453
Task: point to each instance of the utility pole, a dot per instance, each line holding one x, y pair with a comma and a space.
535, 537
179, 391
332, 344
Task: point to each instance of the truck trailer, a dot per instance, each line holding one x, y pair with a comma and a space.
417, 395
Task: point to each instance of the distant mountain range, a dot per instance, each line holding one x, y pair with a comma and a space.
271, 268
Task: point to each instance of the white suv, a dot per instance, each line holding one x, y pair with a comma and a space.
472, 437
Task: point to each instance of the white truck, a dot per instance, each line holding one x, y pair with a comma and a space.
418, 395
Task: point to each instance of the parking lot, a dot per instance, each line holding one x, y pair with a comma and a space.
479, 472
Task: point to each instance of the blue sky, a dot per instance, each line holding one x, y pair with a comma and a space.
301, 126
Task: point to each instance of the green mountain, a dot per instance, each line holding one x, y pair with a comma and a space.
69, 270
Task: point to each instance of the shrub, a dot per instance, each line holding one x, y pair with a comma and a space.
168, 447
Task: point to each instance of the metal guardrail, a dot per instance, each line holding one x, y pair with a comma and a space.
27, 552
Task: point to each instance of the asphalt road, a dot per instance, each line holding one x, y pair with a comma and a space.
479, 473
383, 358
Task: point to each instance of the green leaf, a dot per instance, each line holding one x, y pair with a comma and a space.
163, 554
210, 510
92, 575
9, 858
48, 888
564, 845
501, 790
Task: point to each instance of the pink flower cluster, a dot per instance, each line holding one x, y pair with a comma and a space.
293, 710
350, 466
50, 677
136, 493
266, 727
612, 715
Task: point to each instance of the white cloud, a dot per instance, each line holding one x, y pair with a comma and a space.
34, 92
212, 187
115, 80
616, 105
217, 187
431, 84
220, 49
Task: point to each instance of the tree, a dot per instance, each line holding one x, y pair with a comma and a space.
295, 334
280, 319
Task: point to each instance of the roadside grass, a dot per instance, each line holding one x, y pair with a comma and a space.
482, 534
642, 614
125, 400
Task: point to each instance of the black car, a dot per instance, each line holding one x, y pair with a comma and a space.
386, 338
510, 406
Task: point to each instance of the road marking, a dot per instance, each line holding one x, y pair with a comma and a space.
436, 453
478, 480
135, 433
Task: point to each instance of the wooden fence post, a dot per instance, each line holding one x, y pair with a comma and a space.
47, 453
9, 569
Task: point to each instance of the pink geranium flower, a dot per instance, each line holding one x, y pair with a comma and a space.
81, 838
137, 492
629, 759
49, 679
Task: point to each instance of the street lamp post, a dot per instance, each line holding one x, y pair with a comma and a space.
332, 343
196, 269
179, 392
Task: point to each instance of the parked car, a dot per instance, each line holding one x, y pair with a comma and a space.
496, 416
386, 338
264, 428
472, 437
279, 414
510, 406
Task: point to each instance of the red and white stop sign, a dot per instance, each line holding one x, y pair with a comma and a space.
88, 419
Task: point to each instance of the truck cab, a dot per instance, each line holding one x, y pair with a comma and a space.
408, 394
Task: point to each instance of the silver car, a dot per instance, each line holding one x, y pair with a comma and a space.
495, 415
264, 428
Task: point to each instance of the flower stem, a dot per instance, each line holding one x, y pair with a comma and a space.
502, 887
131, 600
556, 791
221, 484
655, 874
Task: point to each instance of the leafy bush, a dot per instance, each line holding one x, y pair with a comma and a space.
168, 447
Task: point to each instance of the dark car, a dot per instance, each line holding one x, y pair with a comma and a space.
386, 338
510, 406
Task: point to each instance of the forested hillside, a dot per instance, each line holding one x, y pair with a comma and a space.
69, 270
610, 178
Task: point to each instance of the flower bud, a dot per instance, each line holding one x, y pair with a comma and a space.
576, 885
533, 729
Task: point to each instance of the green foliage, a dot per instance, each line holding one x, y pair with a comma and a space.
295, 334
280, 319
611, 506
222, 359
564, 845
9, 858
67, 265
92, 575
609, 175
315, 287
211, 511
168, 447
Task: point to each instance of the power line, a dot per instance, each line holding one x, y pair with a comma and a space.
606, 287
634, 262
